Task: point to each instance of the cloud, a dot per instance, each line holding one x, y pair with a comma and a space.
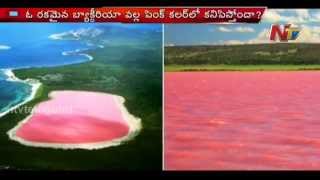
239, 29
262, 37
4, 47
279, 10
224, 29
244, 29
287, 16
77, 34
316, 17
170, 45
308, 34
271, 16
303, 13
233, 42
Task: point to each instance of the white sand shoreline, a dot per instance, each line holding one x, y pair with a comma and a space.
35, 84
133, 122
78, 52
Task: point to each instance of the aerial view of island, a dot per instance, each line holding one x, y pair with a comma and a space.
80, 96
236, 100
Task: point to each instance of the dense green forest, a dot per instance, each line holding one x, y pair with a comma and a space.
255, 54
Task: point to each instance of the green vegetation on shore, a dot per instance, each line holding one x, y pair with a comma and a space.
135, 74
255, 57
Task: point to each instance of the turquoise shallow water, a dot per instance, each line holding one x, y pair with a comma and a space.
12, 93
33, 47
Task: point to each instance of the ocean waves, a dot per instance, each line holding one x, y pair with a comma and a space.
12, 92
4, 47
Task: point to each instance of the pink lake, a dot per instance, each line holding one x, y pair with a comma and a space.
242, 120
74, 117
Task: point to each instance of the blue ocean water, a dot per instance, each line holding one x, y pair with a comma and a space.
12, 93
30, 45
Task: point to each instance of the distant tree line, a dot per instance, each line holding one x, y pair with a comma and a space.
254, 54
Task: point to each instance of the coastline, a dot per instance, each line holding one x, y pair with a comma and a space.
78, 52
133, 122
35, 85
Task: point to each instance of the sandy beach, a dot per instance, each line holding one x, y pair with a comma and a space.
34, 83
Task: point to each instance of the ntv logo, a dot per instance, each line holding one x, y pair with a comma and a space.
287, 32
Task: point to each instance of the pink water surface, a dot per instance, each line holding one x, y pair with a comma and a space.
242, 120
75, 117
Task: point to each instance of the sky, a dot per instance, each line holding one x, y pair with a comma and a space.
212, 34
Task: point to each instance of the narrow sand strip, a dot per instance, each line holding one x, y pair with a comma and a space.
34, 83
76, 132
78, 52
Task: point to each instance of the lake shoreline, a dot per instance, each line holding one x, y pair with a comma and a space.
196, 68
133, 123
